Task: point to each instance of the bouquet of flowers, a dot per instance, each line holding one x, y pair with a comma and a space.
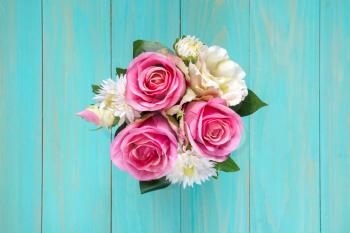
177, 113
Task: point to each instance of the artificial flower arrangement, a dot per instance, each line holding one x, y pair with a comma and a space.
178, 113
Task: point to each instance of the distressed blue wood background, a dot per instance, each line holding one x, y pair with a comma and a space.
56, 175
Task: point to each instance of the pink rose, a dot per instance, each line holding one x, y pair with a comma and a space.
213, 129
146, 149
153, 82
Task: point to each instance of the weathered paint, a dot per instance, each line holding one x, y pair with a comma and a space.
20, 116
56, 175
76, 164
220, 205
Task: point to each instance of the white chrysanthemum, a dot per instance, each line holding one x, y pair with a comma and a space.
191, 168
188, 47
107, 94
111, 96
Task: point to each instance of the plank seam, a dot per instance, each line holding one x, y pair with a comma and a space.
111, 137
319, 115
42, 117
249, 123
180, 190
180, 16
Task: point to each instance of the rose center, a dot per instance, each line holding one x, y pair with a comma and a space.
216, 131
156, 82
145, 152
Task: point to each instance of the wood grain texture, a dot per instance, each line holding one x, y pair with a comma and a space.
294, 157
285, 136
157, 211
220, 205
76, 160
20, 116
335, 116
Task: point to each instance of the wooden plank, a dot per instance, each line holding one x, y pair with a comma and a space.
157, 211
76, 160
220, 205
20, 116
335, 116
285, 136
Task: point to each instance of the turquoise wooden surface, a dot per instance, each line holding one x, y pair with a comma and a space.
56, 175
76, 178
284, 141
335, 116
20, 116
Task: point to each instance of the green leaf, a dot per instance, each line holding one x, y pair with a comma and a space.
141, 46
173, 121
120, 71
152, 185
177, 40
216, 176
96, 129
115, 121
227, 166
249, 105
179, 114
95, 88
120, 128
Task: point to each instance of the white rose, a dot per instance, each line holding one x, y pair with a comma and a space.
217, 71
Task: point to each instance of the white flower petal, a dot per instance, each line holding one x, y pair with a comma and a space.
188, 47
225, 68
237, 92
191, 168
214, 55
217, 71
111, 96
